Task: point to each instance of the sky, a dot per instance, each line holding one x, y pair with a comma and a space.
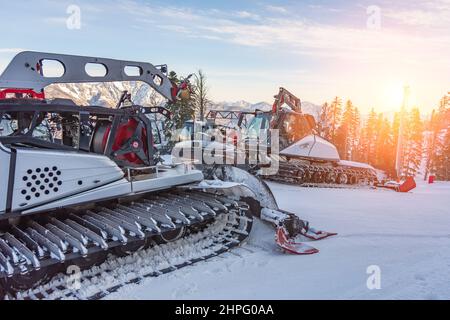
366, 51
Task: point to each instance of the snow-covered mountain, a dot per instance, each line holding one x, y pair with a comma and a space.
307, 107
240, 105
104, 94
108, 94
311, 108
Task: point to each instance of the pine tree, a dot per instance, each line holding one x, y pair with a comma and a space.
385, 148
369, 138
345, 134
335, 117
182, 111
413, 144
323, 123
355, 153
375, 141
431, 147
445, 157
440, 126
200, 94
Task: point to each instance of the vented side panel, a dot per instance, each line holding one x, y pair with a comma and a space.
4, 176
44, 176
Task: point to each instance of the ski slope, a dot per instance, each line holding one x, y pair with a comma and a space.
406, 235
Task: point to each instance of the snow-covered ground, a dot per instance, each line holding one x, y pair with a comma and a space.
406, 235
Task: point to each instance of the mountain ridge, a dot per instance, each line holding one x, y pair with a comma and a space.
108, 94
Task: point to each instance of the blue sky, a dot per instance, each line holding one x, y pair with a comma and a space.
317, 49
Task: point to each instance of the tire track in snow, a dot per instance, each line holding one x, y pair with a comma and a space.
393, 235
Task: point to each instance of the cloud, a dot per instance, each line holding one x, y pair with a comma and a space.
414, 35
56, 20
6, 54
11, 50
342, 56
276, 9
419, 18
247, 15
175, 28
434, 13
295, 35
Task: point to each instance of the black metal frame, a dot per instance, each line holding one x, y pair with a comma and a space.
117, 116
229, 115
12, 173
25, 72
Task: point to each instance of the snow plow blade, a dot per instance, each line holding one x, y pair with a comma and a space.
290, 246
408, 185
288, 225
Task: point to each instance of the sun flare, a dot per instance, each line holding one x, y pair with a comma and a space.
393, 94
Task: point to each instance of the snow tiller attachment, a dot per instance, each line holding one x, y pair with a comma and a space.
81, 185
290, 229
404, 186
284, 138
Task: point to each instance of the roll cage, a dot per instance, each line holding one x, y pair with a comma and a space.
23, 100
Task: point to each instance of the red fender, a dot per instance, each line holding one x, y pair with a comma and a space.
26, 93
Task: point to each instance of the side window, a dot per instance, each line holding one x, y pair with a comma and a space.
186, 132
155, 132
7, 126
255, 126
266, 123
43, 131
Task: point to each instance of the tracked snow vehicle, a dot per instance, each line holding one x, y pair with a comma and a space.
79, 183
306, 158
309, 160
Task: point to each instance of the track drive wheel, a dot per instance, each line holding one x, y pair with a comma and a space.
170, 236
308, 176
90, 261
317, 177
330, 177
342, 178
131, 248
2, 291
24, 282
300, 176
352, 180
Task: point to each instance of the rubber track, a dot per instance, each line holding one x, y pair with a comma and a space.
223, 241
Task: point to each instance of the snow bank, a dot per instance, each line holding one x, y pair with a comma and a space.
406, 235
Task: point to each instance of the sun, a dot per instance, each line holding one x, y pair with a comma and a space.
392, 94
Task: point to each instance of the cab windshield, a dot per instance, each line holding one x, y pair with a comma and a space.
259, 123
9, 127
